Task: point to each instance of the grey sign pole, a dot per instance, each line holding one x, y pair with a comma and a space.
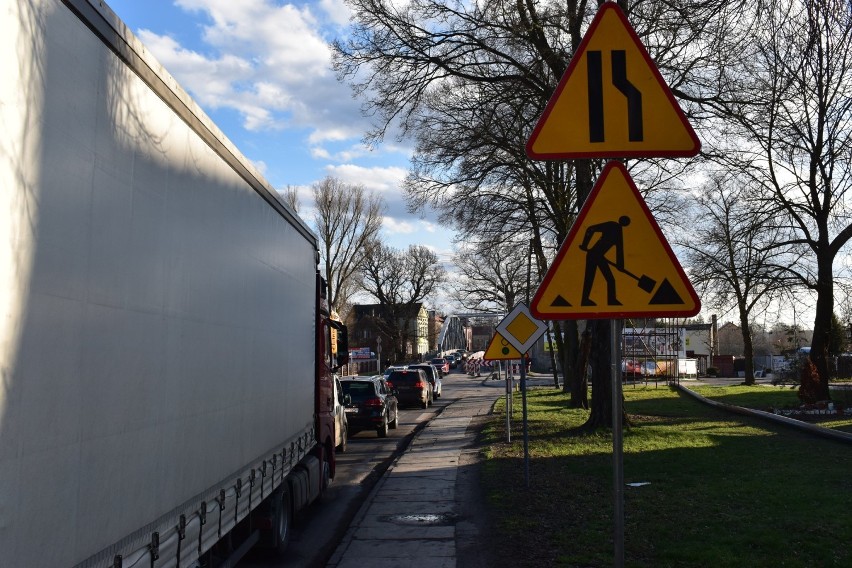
617, 442
508, 401
526, 428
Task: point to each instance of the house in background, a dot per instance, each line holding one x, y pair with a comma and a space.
436, 320
700, 343
404, 340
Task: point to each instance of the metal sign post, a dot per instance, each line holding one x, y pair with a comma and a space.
522, 330
526, 428
574, 125
617, 441
508, 401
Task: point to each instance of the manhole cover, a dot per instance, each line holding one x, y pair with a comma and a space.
422, 519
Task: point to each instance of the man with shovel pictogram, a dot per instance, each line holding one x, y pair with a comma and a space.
611, 236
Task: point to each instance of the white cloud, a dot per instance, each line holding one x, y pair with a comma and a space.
337, 11
260, 165
384, 180
319, 153
269, 62
394, 226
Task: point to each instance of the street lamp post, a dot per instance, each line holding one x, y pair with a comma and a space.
379, 353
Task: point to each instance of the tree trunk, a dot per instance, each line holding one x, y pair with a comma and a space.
822, 324
748, 345
551, 353
580, 388
599, 359
574, 379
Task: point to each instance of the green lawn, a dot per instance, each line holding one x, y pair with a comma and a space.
761, 397
723, 490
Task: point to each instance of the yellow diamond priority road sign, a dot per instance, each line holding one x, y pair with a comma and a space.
615, 261
520, 328
612, 101
500, 349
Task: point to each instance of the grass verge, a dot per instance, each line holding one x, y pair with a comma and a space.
766, 398
722, 490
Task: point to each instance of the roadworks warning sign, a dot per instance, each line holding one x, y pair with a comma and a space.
615, 262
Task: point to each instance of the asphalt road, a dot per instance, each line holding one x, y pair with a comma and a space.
320, 528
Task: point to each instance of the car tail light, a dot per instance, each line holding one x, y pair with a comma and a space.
419, 385
390, 384
373, 402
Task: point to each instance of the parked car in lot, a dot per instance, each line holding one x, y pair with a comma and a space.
651, 369
442, 364
412, 387
433, 375
372, 405
636, 368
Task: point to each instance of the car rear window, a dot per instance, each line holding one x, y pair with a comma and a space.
404, 377
428, 370
359, 389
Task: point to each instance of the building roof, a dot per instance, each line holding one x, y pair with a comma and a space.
373, 310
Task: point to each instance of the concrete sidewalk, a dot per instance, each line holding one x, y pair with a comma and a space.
414, 517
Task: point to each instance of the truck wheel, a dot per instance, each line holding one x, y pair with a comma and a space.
382, 430
282, 521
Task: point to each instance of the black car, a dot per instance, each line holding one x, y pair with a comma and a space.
373, 405
433, 375
412, 387
453, 360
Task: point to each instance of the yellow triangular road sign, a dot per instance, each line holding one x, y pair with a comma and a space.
612, 101
500, 349
615, 262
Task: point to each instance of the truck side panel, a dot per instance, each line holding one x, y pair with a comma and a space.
157, 311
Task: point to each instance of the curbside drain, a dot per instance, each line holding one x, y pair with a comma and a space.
427, 519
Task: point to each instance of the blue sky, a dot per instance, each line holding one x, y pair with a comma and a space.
262, 71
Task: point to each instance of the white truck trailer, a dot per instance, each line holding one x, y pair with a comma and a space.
165, 357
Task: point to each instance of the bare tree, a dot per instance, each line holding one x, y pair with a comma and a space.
291, 197
491, 274
734, 255
787, 82
401, 281
348, 220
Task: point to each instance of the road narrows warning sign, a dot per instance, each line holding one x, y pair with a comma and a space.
615, 262
612, 101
